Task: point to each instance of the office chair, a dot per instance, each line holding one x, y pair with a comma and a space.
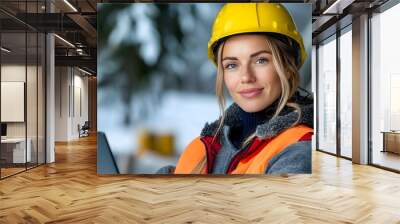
84, 130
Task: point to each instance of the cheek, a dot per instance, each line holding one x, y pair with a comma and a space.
276, 80
230, 82
275, 83
271, 79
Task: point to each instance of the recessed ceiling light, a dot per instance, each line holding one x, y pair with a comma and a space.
70, 5
64, 40
337, 7
5, 50
84, 71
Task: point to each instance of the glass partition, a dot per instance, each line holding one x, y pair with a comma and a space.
31, 100
327, 95
346, 93
13, 106
22, 77
385, 89
41, 109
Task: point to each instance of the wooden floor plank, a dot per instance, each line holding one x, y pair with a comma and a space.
70, 191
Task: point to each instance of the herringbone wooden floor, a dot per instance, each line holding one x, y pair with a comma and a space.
69, 191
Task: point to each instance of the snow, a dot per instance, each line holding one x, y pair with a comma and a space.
183, 114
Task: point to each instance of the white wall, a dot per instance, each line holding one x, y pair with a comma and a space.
71, 94
33, 126
13, 73
61, 103
12, 101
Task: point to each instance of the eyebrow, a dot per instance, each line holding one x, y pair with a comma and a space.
252, 55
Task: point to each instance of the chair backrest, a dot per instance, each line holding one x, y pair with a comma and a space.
86, 125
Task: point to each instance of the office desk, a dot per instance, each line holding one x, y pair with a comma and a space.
16, 148
391, 141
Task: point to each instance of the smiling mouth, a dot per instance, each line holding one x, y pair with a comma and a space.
250, 93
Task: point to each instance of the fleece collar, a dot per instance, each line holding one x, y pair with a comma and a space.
272, 126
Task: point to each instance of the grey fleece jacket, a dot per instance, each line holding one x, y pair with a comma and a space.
296, 158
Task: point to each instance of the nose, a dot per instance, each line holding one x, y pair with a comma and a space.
247, 75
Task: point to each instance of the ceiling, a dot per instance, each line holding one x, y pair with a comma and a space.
329, 16
75, 21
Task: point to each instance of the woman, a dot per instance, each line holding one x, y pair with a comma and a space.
268, 129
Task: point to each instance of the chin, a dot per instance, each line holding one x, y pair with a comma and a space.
251, 108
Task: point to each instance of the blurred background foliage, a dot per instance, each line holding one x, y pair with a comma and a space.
146, 49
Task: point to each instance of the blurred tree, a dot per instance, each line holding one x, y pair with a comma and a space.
123, 65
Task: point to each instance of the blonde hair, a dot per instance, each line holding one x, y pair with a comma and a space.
284, 61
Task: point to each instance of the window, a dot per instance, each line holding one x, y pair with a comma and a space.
346, 93
385, 89
327, 96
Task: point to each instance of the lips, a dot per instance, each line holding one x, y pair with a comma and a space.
250, 93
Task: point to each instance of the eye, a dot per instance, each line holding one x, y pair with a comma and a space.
230, 66
261, 61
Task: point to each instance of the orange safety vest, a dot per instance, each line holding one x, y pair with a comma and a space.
194, 158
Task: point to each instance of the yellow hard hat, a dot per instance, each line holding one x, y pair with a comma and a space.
237, 18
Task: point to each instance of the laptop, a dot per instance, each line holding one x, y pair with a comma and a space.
105, 159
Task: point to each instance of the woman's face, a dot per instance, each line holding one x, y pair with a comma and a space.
249, 73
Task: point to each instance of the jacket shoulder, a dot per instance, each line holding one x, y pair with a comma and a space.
296, 158
192, 150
